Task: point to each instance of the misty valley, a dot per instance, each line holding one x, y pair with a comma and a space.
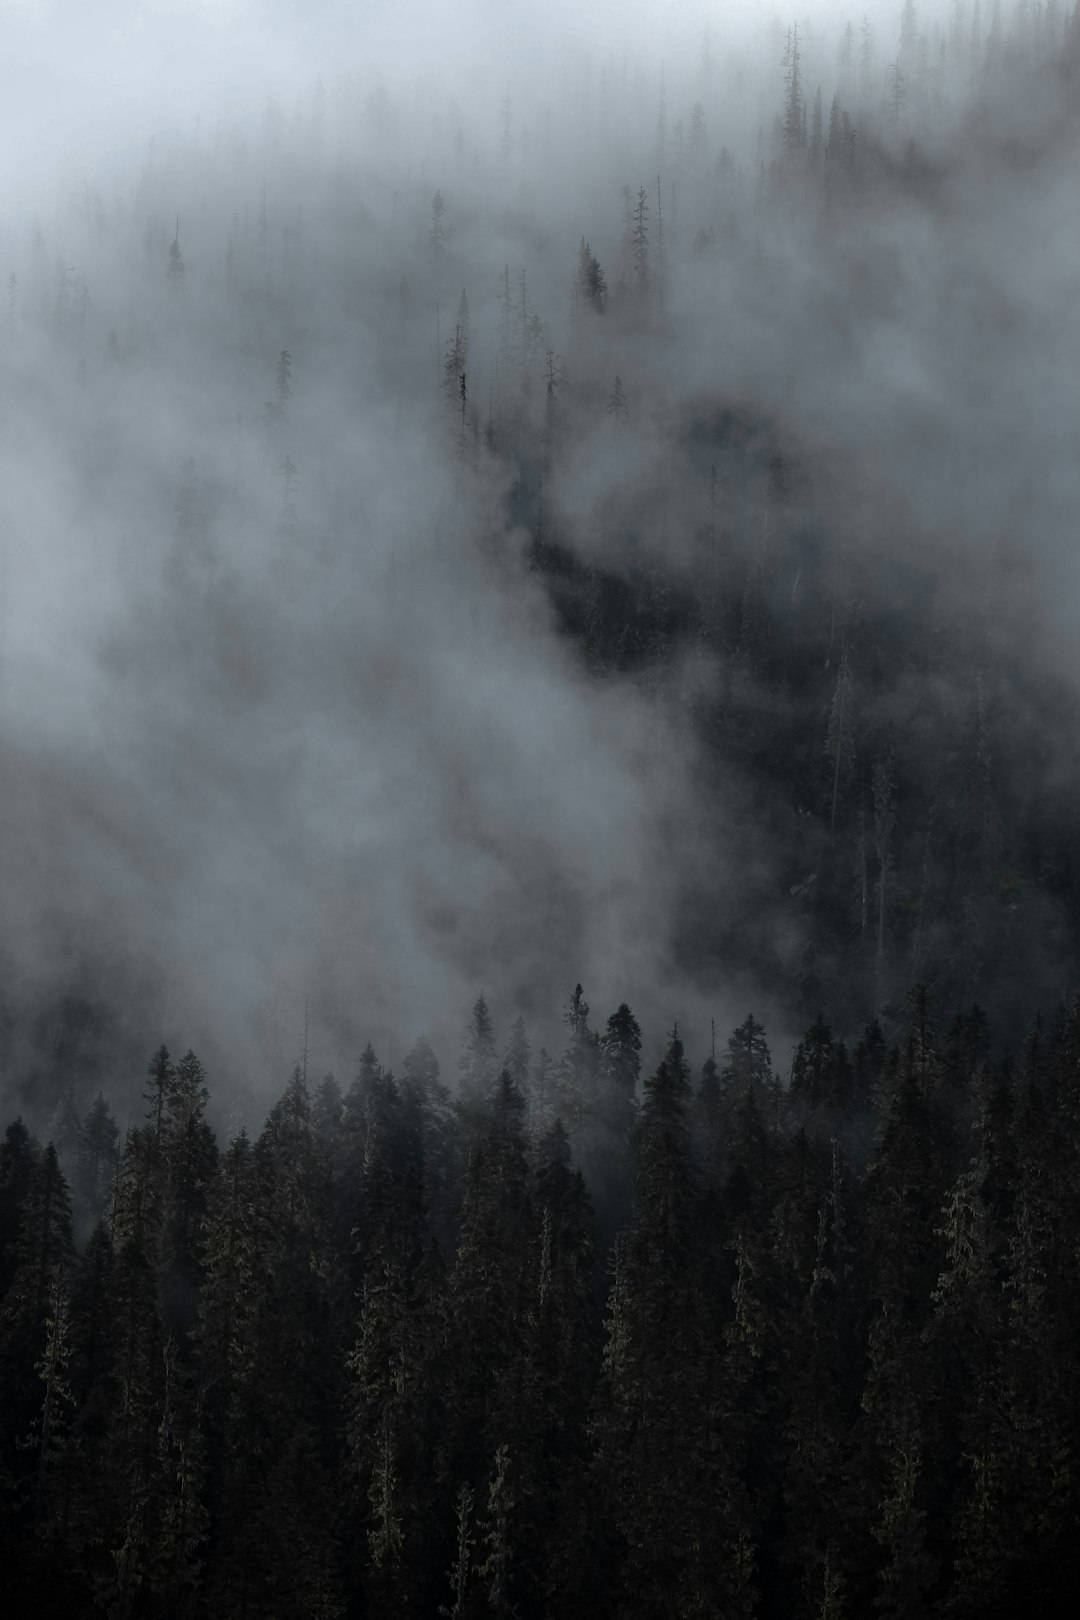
540, 743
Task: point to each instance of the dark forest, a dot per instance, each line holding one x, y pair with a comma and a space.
499, 516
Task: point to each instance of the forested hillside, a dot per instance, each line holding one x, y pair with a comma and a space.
491, 504
605, 534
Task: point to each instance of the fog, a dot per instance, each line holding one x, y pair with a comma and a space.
291, 715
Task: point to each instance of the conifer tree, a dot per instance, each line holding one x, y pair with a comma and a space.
437, 234
579, 1068
454, 365
156, 1095
496, 1571
327, 1109
176, 263
489, 1285
476, 1065
640, 240
794, 108
590, 281
283, 382
621, 1044
43, 1252
52, 1440
462, 1567
543, 1091
181, 1526
647, 1425
817, 138
516, 1058
189, 1154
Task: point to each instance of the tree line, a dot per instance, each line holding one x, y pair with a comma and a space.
562, 1340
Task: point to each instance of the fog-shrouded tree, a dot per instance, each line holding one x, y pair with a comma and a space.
477, 1063
590, 281
438, 232
640, 239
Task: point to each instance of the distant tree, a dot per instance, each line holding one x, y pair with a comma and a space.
708, 1118
543, 1088
621, 1045
846, 57
748, 1061
190, 1155
640, 239
605, 1153
522, 325
866, 55
616, 405
454, 365
289, 474
156, 1096
556, 377
897, 87
697, 132
488, 1285
477, 1064
590, 281
909, 28
579, 1068
817, 138
437, 234
516, 1058
821, 1070
505, 110
283, 381
627, 244
176, 262
794, 106
647, 1426
327, 1108
505, 329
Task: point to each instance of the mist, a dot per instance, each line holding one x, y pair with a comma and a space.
302, 718
539, 754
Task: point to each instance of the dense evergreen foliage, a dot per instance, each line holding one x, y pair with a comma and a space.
374, 1362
